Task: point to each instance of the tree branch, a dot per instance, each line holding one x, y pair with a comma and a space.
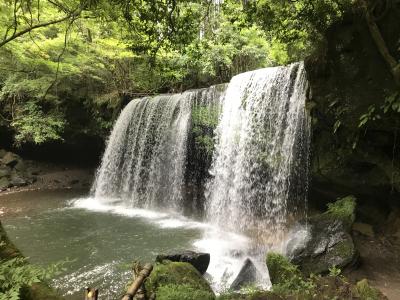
29, 29
381, 45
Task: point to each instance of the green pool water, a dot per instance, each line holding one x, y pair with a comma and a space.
100, 245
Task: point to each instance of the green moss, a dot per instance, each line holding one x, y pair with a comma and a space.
167, 276
7, 249
343, 209
207, 116
286, 278
344, 249
182, 292
280, 269
366, 292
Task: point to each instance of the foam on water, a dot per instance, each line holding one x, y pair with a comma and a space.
228, 250
73, 282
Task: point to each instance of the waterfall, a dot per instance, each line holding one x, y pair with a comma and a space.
145, 160
259, 169
160, 149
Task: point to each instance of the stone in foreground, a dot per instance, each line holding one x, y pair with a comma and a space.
197, 259
177, 280
246, 276
330, 242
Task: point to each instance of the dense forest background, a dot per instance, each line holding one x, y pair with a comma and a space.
67, 67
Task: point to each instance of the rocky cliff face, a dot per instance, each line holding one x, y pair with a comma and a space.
353, 96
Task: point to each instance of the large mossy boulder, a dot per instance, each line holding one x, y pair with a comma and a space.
177, 280
198, 260
329, 243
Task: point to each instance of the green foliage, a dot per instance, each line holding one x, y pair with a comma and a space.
280, 268
390, 106
370, 115
392, 103
286, 277
298, 24
31, 124
78, 71
334, 271
17, 273
246, 293
343, 209
170, 275
182, 292
366, 292
204, 122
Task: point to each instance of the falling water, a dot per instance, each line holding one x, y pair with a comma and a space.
144, 162
259, 164
259, 170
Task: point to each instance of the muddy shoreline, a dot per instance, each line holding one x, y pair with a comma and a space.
52, 176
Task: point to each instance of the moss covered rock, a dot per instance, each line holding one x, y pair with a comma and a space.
177, 280
343, 209
280, 268
182, 292
329, 243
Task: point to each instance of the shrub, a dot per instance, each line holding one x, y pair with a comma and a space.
286, 278
17, 273
343, 209
365, 291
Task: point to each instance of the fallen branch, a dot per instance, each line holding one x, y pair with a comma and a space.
137, 283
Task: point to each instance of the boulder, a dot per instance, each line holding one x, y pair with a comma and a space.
2, 153
20, 166
17, 180
10, 159
247, 275
177, 280
330, 242
197, 259
4, 171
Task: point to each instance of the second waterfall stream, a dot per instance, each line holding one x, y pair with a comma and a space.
258, 178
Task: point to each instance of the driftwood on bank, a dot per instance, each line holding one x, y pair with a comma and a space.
137, 283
